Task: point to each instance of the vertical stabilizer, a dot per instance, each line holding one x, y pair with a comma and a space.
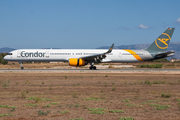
162, 42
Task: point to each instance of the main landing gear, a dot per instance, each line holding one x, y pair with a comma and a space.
21, 65
92, 67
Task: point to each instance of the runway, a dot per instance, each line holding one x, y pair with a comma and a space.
94, 71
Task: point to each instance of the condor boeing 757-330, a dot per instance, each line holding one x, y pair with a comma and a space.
81, 57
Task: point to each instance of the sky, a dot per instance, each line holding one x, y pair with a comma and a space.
86, 24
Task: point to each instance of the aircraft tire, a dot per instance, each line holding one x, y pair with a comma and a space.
22, 68
94, 67
90, 68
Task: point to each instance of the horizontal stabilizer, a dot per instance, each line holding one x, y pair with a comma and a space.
166, 54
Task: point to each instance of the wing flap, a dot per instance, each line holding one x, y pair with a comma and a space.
97, 57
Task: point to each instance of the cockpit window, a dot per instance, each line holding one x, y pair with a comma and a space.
9, 53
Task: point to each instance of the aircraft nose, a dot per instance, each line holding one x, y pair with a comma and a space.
5, 57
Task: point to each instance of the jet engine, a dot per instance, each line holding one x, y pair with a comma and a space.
76, 62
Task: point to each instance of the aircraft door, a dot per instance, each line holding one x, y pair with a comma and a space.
120, 54
18, 54
47, 54
146, 54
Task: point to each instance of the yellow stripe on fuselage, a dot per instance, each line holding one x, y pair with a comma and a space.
134, 54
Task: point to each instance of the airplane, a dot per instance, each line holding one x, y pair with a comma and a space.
81, 57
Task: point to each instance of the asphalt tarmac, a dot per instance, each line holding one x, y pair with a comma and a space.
91, 71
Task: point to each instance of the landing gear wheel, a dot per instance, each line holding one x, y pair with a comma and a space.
21, 65
92, 67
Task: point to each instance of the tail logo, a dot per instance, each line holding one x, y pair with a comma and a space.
164, 40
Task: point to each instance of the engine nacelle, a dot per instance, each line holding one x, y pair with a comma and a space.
76, 62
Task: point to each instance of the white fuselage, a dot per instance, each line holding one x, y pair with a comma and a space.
116, 55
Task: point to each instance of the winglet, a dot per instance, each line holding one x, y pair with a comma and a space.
110, 49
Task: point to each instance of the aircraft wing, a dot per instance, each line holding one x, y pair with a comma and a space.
97, 57
166, 54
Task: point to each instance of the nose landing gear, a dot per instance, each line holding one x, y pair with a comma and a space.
21, 65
